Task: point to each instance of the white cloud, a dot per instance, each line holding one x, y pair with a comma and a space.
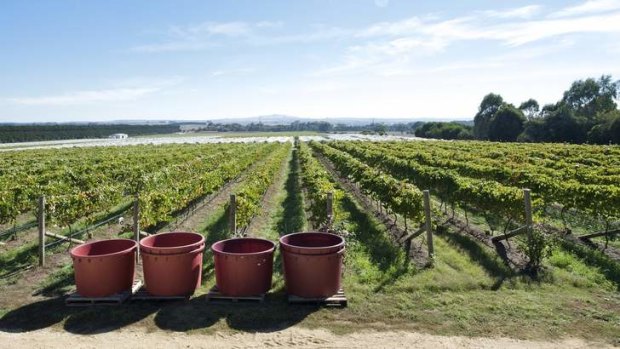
400, 46
146, 81
85, 97
395, 46
236, 71
511, 26
174, 46
392, 28
226, 29
125, 89
519, 12
522, 33
207, 35
588, 7
320, 33
391, 48
415, 37
511, 33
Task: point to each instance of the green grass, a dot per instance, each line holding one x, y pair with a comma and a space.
59, 283
470, 292
289, 217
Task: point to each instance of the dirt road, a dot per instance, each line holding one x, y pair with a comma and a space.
293, 337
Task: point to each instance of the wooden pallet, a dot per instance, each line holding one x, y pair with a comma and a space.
214, 295
337, 300
77, 300
143, 295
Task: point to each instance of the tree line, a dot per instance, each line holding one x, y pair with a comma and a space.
312, 126
587, 113
32, 133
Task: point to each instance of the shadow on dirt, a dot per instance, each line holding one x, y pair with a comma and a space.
86, 320
35, 316
273, 314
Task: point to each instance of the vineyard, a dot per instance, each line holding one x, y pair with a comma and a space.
441, 236
584, 180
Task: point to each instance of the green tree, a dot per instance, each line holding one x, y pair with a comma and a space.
325, 126
380, 129
589, 97
530, 108
563, 125
401, 127
444, 130
507, 124
488, 107
535, 130
607, 130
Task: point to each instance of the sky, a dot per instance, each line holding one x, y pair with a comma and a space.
72, 60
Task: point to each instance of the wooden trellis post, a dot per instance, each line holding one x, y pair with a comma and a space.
528, 227
426, 227
232, 215
428, 224
41, 220
136, 221
330, 209
528, 212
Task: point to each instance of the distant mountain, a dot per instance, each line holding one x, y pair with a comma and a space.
274, 119
277, 119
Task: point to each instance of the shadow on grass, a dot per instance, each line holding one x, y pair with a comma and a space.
389, 258
273, 315
293, 217
391, 278
58, 284
594, 258
215, 231
13, 262
382, 251
489, 261
12, 232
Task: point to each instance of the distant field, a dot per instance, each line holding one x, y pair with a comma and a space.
234, 134
268, 134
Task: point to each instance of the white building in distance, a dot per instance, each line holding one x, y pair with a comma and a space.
119, 136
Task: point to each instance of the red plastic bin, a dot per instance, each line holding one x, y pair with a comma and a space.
172, 263
103, 268
243, 266
312, 263
171, 243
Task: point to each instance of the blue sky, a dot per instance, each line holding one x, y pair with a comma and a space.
107, 60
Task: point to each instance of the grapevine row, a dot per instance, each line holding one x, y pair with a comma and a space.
595, 199
500, 168
488, 196
398, 196
317, 184
91, 180
250, 193
172, 190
